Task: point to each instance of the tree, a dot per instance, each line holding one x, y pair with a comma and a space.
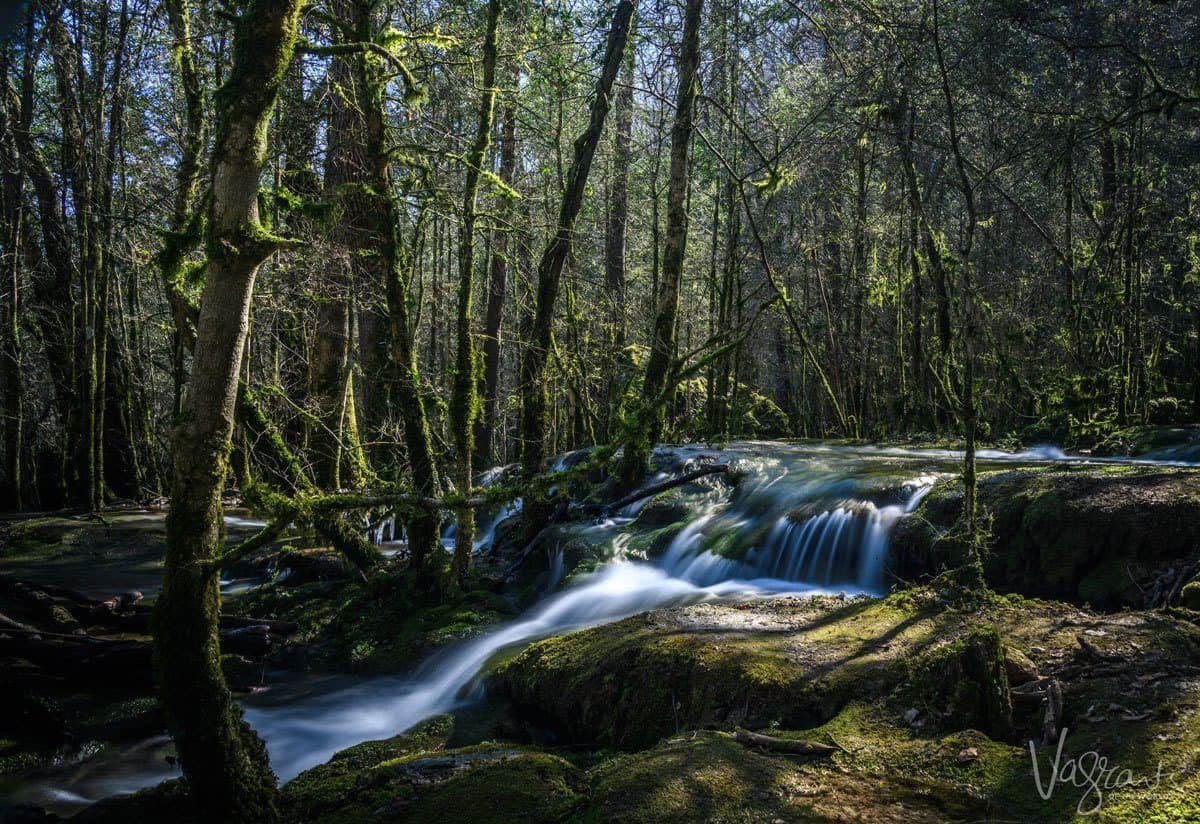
224, 762
538, 329
464, 399
646, 427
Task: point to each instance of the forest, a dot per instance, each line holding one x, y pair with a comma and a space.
562, 411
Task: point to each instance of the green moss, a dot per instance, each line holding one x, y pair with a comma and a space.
382, 625
708, 776
351, 779
664, 509
1140, 440
528, 787
1190, 595
964, 684
630, 683
33, 536
1088, 534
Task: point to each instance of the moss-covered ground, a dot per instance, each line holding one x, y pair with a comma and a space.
647, 706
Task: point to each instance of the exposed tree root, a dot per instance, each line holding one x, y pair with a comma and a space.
791, 746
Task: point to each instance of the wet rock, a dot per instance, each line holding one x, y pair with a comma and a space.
1090, 535
666, 508
631, 683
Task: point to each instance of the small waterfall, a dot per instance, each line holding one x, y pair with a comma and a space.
844, 544
555, 567
825, 534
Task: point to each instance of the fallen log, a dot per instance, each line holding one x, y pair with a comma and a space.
46, 607
253, 640
9, 623
107, 661
654, 489
119, 612
792, 746
119, 661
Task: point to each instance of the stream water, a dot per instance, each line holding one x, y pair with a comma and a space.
802, 519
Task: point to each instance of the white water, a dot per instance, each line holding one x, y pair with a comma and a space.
840, 548
307, 733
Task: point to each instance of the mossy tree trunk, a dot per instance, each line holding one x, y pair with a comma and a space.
647, 425
485, 453
464, 399
337, 455
53, 293
12, 217
223, 760
395, 268
615, 233
539, 327
968, 413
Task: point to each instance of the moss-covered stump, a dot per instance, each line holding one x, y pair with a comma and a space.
967, 681
1109, 536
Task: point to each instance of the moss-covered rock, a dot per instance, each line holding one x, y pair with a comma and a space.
532, 787
351, 781
1190, 595
710, 777
1086, 534
631, 683
912, 691
664, 509
381, 625
168, 801
1166, 442
415, 778
797, 662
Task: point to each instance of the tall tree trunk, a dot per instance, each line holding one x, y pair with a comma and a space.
539, 333
618, 206
332, 377
395, 267
54, 294
497, 287
967, 412
647, 427
185, 224
464, 398
223, 760
82, 421
11, 184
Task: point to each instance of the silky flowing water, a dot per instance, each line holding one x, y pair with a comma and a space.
801, 520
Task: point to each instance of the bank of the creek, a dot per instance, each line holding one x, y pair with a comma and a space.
602, 674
